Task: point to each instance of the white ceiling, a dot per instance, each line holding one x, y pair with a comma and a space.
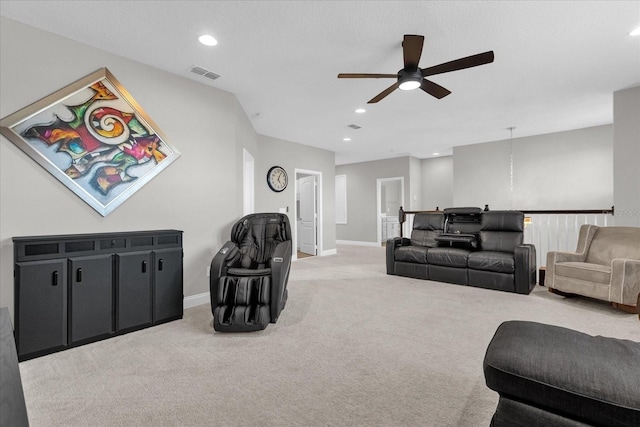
557, 63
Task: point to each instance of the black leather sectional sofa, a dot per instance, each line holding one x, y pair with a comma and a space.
467, 246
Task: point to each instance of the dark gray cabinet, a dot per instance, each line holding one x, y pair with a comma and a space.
167, 299
43, 305
134, 290
75, 289
90, 298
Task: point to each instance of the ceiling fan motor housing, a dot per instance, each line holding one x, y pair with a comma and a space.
410, 78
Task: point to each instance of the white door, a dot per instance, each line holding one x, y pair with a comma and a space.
308, 215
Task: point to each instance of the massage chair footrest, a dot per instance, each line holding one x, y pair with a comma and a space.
243, 304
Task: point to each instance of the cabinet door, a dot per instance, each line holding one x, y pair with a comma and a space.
41, 306
134, 290
91, 297
167, 295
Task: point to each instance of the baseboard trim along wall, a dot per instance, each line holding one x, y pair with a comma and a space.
356, 243
196, 300
329, 252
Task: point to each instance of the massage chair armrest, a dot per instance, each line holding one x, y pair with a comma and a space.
222, 260
625, 281
280, 266
525, 266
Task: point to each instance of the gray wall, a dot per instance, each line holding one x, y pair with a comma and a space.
361, 196
201, 193
415, 185
291, 156
437, 183
563, 170
626, 160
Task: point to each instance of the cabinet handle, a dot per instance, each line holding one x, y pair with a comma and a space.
144, 266
160, 264
54, 278
79, 275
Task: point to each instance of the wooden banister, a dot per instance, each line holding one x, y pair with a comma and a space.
402, 214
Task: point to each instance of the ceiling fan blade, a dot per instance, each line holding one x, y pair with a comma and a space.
459, 64
412, 49
384, 93
434, 89
366, 76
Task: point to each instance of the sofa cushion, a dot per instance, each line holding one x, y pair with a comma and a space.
500, 262
450, 257
586, 378
426, 227
585, 271
614, 242
501, 231
503, 221
417, 254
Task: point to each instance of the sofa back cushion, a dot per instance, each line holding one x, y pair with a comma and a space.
614, 242
501, 231
426, 227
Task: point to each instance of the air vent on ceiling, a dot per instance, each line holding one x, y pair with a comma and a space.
204, 72
353, 126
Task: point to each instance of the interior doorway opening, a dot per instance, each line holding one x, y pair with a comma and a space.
308, 214
390, 196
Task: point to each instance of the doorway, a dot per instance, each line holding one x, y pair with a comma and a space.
390, 196
308, 213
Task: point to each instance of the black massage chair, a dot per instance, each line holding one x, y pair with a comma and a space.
249, 274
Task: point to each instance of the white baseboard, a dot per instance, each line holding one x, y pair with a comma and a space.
356, 243
196, 300
329, 252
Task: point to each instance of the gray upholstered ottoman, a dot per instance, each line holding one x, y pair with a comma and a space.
552, 376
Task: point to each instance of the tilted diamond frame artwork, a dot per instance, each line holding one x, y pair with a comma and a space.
94, 138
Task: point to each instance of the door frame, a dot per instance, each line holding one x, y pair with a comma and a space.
379, 182
318, 175
248, 183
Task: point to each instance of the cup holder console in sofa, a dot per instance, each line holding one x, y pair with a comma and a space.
467, 246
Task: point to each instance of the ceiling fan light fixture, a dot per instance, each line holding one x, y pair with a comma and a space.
409, 85
410, 79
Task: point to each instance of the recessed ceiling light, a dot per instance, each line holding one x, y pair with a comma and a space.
360, 110
635, 32
436, 154
346, 139
208, 40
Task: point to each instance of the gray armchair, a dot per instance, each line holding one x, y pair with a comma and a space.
605, 266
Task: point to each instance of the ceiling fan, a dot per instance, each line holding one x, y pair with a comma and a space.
413, 77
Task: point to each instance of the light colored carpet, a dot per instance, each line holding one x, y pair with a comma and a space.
353, 347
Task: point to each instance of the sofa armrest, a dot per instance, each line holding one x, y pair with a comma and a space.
392, 244
525, 264
625, 281
555, 257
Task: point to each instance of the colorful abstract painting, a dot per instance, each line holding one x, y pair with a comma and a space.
94, 138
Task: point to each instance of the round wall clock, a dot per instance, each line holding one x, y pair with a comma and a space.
277, 179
